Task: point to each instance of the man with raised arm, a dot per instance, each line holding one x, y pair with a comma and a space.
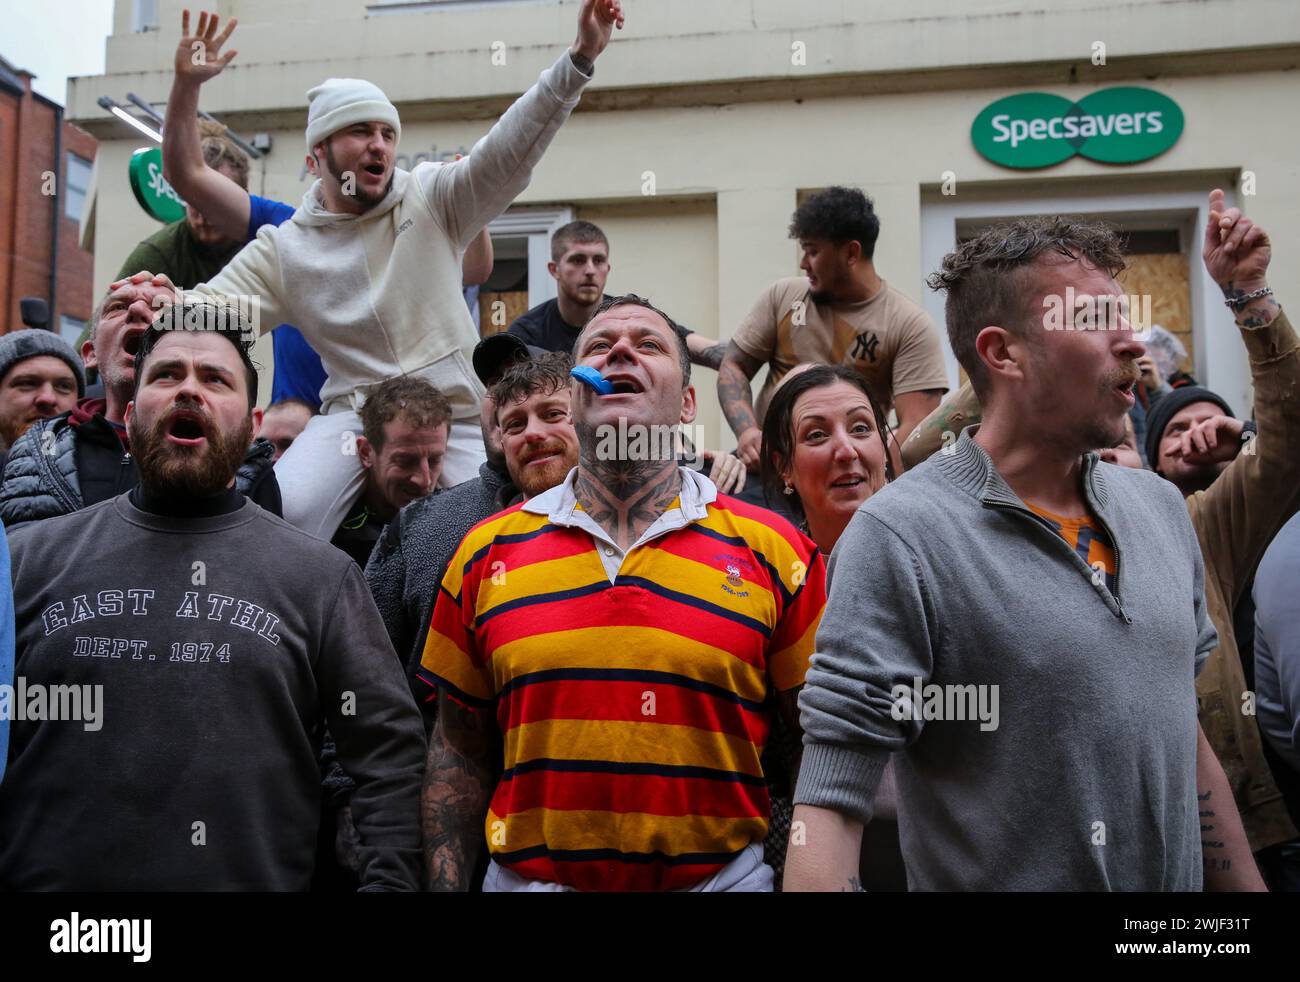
369, 267
195, 166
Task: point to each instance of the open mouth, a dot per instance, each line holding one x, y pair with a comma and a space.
624, 385
850, 481
131, 341
374, 170
186, 429
1125, 389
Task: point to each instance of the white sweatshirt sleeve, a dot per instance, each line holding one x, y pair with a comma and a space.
252, 279
468, 193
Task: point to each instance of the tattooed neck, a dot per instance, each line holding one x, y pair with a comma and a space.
625, 496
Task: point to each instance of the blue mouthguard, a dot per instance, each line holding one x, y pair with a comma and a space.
591, 377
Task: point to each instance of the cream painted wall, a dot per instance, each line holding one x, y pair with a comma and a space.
286, 45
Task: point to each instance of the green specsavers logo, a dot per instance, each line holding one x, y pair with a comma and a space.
1111, 126
154, 194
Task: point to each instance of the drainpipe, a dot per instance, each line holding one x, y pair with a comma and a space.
56, 200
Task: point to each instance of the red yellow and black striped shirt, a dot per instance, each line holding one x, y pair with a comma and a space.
634, 712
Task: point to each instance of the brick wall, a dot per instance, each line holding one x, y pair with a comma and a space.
27, 147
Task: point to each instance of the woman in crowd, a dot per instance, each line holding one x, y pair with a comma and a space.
824, 453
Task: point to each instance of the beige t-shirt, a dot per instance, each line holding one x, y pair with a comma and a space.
889, 340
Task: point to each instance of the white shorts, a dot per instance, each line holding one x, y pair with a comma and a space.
321, 476
747, 873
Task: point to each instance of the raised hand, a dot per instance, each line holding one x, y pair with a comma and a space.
198, 55
1151, 376
1211, 441
144, 276
1237, 251
596, 22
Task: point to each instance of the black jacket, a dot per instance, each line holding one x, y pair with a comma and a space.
69, 462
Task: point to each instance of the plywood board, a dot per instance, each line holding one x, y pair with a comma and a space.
1164, 278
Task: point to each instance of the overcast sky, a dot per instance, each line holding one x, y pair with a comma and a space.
54, 39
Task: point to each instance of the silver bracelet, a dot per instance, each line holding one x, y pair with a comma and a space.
1237, 302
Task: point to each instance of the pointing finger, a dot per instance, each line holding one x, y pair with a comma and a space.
1212, 224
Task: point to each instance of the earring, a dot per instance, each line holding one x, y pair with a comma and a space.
788, 489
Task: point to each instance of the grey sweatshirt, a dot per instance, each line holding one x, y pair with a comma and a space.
1088, 781
222, 645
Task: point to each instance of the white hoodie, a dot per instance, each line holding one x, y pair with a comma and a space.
379, 294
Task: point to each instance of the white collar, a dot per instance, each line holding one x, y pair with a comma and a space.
561, 502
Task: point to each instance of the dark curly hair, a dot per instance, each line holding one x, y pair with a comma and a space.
989, 279
778, 427
546, 373
838, 215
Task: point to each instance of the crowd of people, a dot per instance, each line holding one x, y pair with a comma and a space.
449, 615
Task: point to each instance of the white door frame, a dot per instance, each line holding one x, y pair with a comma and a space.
538, 225
1220, 361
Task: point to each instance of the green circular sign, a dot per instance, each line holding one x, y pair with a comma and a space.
1113, 126
155, 195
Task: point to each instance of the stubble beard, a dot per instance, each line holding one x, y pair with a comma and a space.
532, 481
367, 201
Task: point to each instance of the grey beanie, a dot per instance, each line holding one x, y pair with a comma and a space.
31, 342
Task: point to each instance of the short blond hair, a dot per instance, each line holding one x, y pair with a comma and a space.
219, 150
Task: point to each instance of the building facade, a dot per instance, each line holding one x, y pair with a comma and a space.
706, 122
45, 178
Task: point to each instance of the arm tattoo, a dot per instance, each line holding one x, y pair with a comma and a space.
734, 393
710, 357
458, 783
1210, 845
1257, 312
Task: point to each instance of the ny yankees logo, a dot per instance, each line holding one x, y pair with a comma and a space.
864, 346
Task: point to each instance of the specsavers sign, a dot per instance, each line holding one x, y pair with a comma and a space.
154, 194
1112, 126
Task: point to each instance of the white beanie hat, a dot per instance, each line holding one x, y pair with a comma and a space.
340, 102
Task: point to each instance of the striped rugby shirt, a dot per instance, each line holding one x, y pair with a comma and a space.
634, 712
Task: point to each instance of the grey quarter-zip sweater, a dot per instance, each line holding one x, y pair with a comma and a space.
1088, 780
